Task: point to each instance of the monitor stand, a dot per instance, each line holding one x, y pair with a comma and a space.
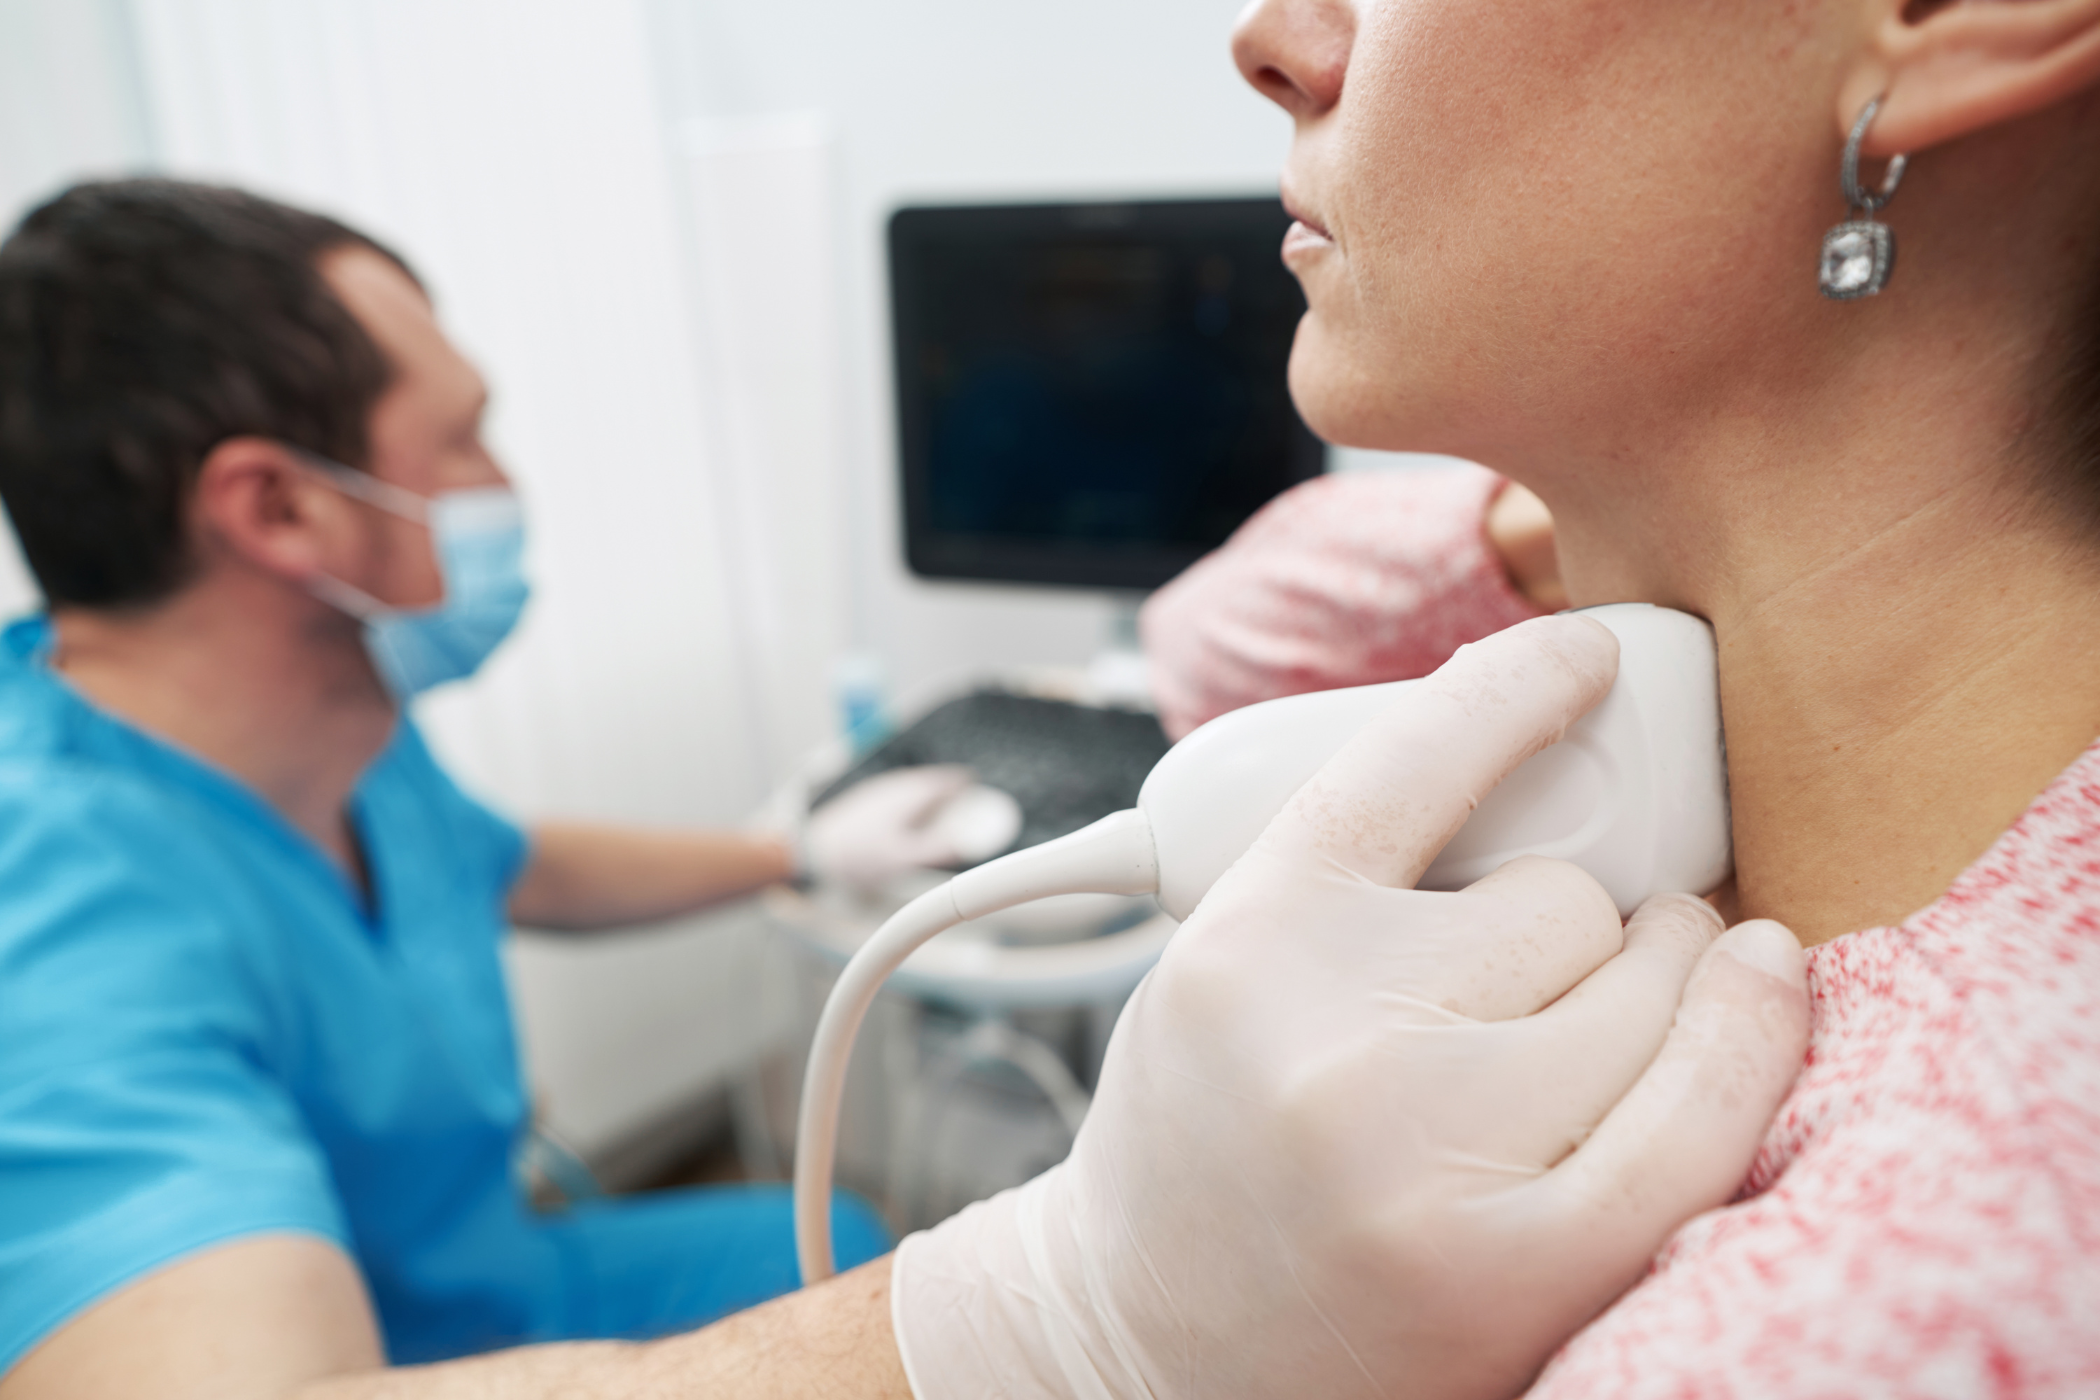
1117, 674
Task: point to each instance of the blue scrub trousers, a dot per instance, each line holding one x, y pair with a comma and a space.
670, 1261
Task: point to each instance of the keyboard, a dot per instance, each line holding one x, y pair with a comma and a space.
1067, 765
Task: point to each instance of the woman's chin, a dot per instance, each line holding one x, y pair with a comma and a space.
1329, 394
1342, 403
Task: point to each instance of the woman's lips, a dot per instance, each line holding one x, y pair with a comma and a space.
1306, 235
1304, 239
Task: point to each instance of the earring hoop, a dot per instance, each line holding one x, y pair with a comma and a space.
1859, 254
1848, 168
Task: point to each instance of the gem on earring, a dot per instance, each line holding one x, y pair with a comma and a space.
1859, 254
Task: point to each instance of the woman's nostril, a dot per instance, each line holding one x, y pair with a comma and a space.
1274, 84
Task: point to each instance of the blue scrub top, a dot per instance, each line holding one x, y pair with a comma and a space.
206, 1033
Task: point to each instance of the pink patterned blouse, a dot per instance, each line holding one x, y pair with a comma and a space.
1346, 580
1923, 1218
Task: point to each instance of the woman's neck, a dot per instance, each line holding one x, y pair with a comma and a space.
1863, 499
1890, 716
1910, 653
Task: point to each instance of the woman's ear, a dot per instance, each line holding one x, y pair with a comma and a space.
1954, 67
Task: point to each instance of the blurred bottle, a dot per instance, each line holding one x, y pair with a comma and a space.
859, 692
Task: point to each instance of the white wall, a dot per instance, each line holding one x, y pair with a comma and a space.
70, 104
962, 100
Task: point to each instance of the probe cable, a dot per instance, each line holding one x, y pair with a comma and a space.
1113, 856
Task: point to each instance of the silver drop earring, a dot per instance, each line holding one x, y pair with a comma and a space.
1859, 254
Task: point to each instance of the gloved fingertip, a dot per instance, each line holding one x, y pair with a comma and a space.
1584, 647
948, 780
923, 792
1767, 946
1688, 909
1605, 633
1585, 635
936, 855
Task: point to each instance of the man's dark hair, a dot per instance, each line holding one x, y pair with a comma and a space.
142, 323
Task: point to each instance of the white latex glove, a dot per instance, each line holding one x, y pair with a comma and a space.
1354, 1139
884, 826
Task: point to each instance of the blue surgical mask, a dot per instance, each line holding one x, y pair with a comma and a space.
479, 539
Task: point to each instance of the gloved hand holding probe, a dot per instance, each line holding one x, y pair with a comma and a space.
1355, 1139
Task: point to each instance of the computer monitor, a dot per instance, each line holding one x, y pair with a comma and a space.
1091, 394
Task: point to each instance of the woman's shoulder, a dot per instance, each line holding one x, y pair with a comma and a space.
1998, 978
1917, 1209
1926, 1194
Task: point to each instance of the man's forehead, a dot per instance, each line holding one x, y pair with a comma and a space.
397, 315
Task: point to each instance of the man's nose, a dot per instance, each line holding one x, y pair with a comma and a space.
1295, 52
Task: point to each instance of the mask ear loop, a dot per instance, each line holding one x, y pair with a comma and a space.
344, 597
349, 599
363, 486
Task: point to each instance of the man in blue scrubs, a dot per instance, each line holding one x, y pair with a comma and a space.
250, 997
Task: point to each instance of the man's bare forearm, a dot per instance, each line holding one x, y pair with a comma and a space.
833, 1340
582, 876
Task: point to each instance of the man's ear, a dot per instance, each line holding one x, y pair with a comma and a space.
254, 501
1954, 67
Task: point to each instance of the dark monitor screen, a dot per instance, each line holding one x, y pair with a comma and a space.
1091, 394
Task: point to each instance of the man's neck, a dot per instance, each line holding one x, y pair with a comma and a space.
1909, 644
269, 687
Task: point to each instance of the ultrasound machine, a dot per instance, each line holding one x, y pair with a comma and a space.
1088, 396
